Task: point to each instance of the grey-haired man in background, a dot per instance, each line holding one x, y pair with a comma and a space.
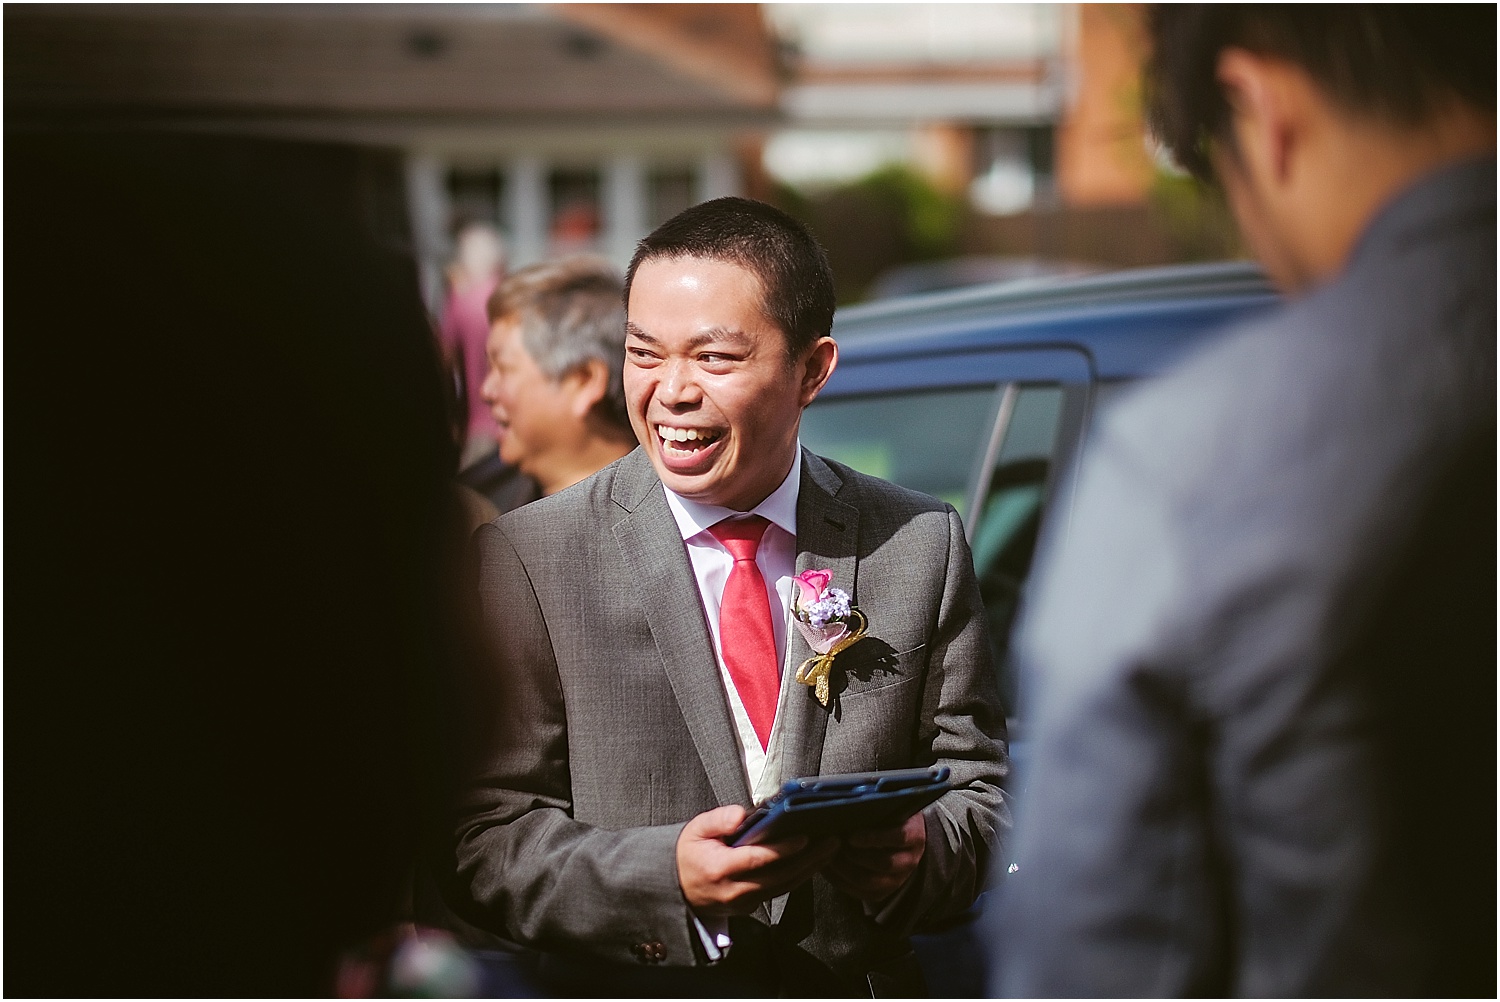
555, 349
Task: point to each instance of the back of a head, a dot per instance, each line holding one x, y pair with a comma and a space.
795, 277
480, 251
570, 312
1395, 62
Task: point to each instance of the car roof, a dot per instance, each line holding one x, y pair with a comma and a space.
1130, 323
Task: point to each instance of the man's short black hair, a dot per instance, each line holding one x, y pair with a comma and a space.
795, 279
1392, 61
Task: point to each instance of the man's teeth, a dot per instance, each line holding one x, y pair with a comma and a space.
683, 434
685, 440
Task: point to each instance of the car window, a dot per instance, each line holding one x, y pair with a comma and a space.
929, 440
942, 442
1004, 539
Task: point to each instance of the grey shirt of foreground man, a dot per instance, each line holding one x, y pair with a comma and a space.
616, 731
1223, 802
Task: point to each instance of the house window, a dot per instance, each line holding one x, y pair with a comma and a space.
476, 195
575, 222
671, 189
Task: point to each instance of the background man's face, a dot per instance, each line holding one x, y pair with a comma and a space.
711, 395
530, 408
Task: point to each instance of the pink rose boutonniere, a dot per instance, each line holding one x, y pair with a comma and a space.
829, 622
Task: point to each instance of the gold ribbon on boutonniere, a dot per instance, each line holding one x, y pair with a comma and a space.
830, 624
816, 669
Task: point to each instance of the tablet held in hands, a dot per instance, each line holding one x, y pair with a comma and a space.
838, 805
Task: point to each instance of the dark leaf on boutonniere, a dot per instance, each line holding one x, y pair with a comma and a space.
871, 656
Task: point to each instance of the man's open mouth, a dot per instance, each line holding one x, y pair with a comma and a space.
686, 441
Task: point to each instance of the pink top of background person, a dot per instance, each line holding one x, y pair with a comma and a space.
478, 265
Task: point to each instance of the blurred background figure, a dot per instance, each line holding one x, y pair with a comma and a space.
1261, 664
556, 350
478, 265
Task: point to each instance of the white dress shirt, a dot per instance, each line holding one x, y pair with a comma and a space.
777, 559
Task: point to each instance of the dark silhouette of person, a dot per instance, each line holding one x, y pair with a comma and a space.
229, 540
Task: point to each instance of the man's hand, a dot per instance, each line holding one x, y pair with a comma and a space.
873, 865
718, 880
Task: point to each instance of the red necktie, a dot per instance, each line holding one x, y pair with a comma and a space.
745, 635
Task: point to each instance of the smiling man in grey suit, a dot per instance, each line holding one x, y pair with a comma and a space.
646, 703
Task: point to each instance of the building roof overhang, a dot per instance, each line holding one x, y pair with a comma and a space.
387, 66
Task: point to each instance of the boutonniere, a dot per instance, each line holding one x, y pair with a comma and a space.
828, 622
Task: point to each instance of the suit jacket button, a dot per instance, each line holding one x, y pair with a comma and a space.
651, 953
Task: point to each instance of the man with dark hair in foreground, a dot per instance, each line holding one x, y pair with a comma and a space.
1261, 664
649, 662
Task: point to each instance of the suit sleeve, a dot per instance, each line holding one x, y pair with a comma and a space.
537, 875
962, 726
1107, 901
1200, 800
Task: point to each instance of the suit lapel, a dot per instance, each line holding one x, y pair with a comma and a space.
827, 532
653, 551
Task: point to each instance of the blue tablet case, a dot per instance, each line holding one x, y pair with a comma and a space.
836, 805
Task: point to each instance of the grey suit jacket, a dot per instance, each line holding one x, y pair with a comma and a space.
1240, 775
616, 729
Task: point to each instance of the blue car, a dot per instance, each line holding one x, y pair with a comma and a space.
983, 397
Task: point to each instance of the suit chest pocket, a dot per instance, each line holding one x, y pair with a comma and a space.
874, 727
873, 664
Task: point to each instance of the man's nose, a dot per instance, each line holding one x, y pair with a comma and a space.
678, 387
490, 389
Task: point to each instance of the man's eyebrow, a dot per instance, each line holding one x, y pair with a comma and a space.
721, 335
631, 330
715, 335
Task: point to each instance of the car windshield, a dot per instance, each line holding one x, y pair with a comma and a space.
928, 440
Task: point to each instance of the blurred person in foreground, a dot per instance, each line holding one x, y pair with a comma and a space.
232, 545
555, 352
478, 266
1261, 663
649, 687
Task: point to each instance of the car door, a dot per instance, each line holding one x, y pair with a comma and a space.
990, 432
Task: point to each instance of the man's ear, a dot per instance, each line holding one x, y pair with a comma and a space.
589, 383
817, 365
1272, 101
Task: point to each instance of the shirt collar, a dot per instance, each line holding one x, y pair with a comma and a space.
780, 508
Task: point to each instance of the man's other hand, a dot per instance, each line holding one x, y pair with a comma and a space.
719, 880
875, 864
